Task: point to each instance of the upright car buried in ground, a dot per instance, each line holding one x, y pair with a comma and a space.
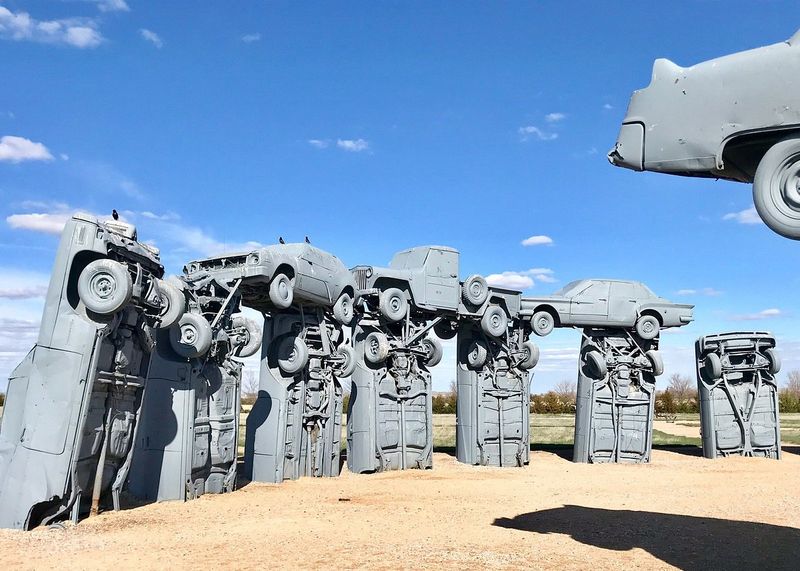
736, 117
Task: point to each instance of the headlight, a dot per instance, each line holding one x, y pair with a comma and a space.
253, 259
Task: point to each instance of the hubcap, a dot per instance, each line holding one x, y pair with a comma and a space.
283, 289
790, 184
188, 334
103, 285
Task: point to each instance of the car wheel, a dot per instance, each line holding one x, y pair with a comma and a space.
647, 327
281, 291
543, 323
596, 365
433, 351
776, 188
712, 367
774, 361
494, 322
343, 309
251, 332
348, 356
475, 290
656, 362
292, 355
105, 286
173, 304
191, 337
477, 353
530, 356
376, 348
393, 304
446, 329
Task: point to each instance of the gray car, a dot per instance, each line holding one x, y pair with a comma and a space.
292, 273
605, 303
735, 117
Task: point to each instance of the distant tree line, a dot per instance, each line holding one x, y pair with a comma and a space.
2, 398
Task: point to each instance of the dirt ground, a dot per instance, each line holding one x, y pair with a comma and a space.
681, 510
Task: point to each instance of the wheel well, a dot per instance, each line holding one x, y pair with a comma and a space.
742, 153
349, 291
285, 269
79, 262
385, 283
654, 313
551, 310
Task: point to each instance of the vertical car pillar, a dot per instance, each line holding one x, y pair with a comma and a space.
616, 396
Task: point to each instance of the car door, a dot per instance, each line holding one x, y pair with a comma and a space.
590, 305
312, 275
441, 279
622, 303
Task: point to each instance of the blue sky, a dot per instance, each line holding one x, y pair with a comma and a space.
371, 127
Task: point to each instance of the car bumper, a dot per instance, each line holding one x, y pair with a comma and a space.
628, 152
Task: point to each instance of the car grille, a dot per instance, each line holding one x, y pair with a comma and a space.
361, 278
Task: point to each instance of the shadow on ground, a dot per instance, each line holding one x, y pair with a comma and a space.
687, 542
791, 449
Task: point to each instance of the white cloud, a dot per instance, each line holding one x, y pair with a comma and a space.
75, 32
250, 38
17, 149
113, 6
765, 314
152, 37
539, 240
707, 291
554, 117
22, 284
106, 178
748, 216
47, 223
64, 156
608, 106
319, 143
521, 280
531, 131
353, 145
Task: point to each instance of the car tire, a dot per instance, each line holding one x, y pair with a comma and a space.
774, 361
346, 369
530, 356
647, 327
292, 355
476, 354
596, 365
543, 323
446, 329
433, 351
393, 304
281, 291
105, 286
775, 188
191, 336
376, 348
475, 290
494, 321
343, 310
656, 362
712, 367
173, 304
252, 334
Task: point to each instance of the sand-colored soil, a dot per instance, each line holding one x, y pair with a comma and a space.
681, 510
677, 429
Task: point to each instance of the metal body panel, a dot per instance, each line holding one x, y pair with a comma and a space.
614, 413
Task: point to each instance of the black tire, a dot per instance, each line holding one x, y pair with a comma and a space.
774, 361
281, 291
530, 356
476, 354
433, 350
292, 355
656, 362
596, 365
173, 304
191, 336
376, 348
494, 321
446, 329
348, 355
775, 188
251, 332
393, 304
543, 323
475, 290
647, 327
343, 310
105, 286
712, 367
